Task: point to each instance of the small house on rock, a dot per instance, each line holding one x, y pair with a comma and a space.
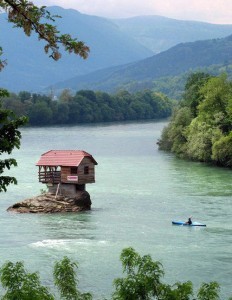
66, 171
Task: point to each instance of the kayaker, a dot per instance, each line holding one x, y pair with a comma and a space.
189, 222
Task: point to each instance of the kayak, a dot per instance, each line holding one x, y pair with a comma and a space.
183, 223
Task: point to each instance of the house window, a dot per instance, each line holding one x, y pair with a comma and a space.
86, 170
74, 171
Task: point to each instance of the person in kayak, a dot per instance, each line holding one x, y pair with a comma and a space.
189, 222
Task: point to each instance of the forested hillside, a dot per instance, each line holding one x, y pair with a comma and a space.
111, 42
87, 107
201, 128
183, 58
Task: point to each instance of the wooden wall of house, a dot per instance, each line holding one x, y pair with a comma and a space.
83, 178
65, 172
86, 178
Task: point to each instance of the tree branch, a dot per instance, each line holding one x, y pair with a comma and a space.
26, 15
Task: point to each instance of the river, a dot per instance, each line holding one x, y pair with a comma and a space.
139, 190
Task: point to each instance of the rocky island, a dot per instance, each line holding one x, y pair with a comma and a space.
50, 203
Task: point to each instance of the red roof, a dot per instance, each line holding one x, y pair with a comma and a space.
68, 158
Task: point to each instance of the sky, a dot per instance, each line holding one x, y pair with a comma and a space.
212, 11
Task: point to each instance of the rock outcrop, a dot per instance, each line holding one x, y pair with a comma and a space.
49, 203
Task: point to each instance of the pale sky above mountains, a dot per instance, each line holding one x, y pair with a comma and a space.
212, 11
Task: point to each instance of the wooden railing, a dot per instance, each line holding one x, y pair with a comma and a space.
50, 176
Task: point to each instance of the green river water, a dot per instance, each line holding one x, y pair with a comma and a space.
138, 192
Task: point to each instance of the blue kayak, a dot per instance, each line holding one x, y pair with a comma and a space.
184, 223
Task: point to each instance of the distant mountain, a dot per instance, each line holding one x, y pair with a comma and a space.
112, 43
29, 68
175, 61
160, 33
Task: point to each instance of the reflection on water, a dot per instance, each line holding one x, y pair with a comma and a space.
138, 192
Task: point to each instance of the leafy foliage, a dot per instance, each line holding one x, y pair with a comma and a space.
142, 282
206, 136
209, 291
19, 284
9, 139
200, 139
222, 150
192, 96
181, 121
65, 279
143, 277
29, 17
22, 285
2, 62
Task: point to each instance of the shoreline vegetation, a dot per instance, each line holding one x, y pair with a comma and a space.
142, 279
87, 106
200, 128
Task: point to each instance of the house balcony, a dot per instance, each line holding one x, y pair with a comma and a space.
52, 177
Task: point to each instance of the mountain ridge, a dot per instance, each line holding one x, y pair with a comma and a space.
181, 58
29, 68
160, 33
33, 70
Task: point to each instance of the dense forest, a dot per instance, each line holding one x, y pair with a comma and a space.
87, 106
201, 127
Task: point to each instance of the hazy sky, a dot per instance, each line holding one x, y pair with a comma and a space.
213, 11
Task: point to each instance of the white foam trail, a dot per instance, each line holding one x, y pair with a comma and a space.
62, 243
49, 243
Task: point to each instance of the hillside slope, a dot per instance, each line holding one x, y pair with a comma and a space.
160, 33
29, 68
179, 59
112, 43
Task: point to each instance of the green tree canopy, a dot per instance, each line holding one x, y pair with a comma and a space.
65, 278
217, 95
222, 151
206, 136
142, 281
9, 139
20, 284
89, 106
192, 96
